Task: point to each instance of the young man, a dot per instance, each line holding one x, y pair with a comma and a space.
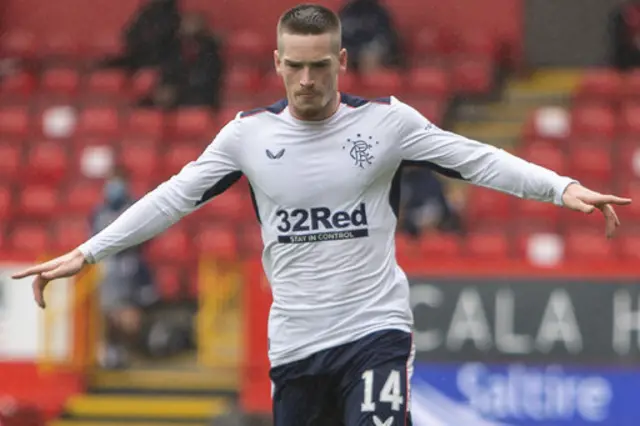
323, 167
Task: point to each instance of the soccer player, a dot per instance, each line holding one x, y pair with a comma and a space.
323, 167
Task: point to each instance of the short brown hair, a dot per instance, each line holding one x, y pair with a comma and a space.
309, 19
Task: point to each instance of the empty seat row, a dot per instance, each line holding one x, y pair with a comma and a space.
607, 85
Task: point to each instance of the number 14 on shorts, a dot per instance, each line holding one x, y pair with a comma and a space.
390, 393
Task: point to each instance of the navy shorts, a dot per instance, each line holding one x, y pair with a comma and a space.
363, 383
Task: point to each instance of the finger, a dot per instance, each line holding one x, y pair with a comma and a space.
611, 220
610, 199
36, 270
38, 287
577, 204
61, 271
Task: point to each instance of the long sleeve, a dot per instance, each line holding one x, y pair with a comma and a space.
198, 182
479, 163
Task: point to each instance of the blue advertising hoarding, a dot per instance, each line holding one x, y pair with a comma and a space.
517, 394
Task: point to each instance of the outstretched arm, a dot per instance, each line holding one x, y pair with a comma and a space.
199, 181
487, 166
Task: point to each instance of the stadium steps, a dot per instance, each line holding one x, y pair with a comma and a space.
152, 397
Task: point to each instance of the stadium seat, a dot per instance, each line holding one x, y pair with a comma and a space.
540, 247
99, 121
544, 154
37, 202
631, 86
592, 122
14, 122
250, 240
17, 86
60, 81
432, 109
106, 82
407, 247
140, 159
241, 81
81, 197
472, 76
603, 86
18, 44
145, 122
381, 83
531, 214
102, 46
488, 245
588, 162
476, 45
628, 247
168, 280
247, 47
429, 82
588, 246
171, 247
629, 120
178, 155
29, 238
6, 203
628, 159
349, 83
10, 161
69, 233
217, 242
630, 215
47, 162
232, 206
488, 208
193, 123
439, 246
143, 82
429, 46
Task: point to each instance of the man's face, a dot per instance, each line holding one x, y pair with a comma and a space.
309, 66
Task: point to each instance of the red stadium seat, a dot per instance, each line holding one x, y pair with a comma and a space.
588, 246
14, 122
69, 233
546, 155
488, 208
140, 160
630, 215
177, 156
477, 45
38, 202
20, 84
628, 160
218, 242
247, 47
593, 122
99, 121
81, 197
47, 162
629, 247
6, 204
168, 281
381, 83
145, 122
540, 246
430, 82
407, 247
18, 44
250, 243
587, 162
143, 82
599, 86
631, 86
241, 81
488, 245
429, 46
106, 82
472, 76
530, 214
432, 109
31, 238
60, 81
193, 123
171, 247
102, 46
61, 47
439, 246
231, 206
629, 122
10, 161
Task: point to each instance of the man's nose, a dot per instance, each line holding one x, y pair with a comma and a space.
305, 78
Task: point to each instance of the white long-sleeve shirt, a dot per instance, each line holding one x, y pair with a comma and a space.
327, 195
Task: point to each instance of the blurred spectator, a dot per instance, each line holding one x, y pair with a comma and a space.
191, 71
625, 33
126, 286
149, 36
424, 206
369, 36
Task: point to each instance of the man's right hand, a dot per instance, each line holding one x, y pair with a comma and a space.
61, 267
